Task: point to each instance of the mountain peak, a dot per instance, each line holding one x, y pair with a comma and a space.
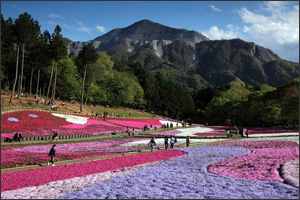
147, 30
144, 21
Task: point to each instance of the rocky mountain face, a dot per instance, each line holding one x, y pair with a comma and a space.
192, 58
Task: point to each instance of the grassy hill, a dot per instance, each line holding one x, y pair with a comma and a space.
29, 102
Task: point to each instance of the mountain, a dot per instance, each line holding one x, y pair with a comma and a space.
192, 58
67, 41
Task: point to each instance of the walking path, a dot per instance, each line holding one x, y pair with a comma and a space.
65, 162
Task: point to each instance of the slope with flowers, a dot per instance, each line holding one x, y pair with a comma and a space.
41, 123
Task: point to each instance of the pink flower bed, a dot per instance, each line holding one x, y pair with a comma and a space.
168, 133
135, 122
216, 132
10, 159
27, 124
290, 172
36, 177
260, 130
261, 164
34, 123
35, 154
93, 126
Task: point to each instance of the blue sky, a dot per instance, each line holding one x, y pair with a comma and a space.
274, 25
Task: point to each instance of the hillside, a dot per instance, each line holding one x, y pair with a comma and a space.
29, 102
189, 53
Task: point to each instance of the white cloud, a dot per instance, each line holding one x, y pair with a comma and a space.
278, 31
55, 16
83, 28
52, 23
16, 7
12, 5
102, 29
218, 34
215, 8
276, 27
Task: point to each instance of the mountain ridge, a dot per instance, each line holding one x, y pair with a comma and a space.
218, 62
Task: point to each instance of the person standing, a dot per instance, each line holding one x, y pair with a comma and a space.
172, 141
52, 155
155, 127
55, 136
20, 136
16, 137
127, 131
166, 142
152, 143
132, 131
188, 141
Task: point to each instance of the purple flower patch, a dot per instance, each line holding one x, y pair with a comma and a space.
32, 115
12, 119
186, 177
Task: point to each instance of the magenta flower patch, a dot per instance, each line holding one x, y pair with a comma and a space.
261, 164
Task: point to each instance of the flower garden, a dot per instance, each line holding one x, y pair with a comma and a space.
140, 123
198, 168
237, 168
194, 131
33, 123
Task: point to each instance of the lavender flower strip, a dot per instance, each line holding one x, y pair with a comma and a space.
186, 177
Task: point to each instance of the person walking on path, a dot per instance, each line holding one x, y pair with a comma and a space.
188, 141
152, 144
52, 155
166, 142
172, 141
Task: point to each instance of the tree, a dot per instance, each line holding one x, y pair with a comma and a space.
45, 39
16, 76
26, 31
68, 82
8, 53
86, 56
58, 51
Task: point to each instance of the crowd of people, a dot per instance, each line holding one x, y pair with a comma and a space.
168, 140
130, 132
18, 137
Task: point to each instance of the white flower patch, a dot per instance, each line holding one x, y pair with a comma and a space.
72, 118
174, 123
192, 131
293, 139
161, 141
273, 134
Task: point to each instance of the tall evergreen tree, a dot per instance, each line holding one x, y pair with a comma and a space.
58, 51
7, 52
26, 31
86, 56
